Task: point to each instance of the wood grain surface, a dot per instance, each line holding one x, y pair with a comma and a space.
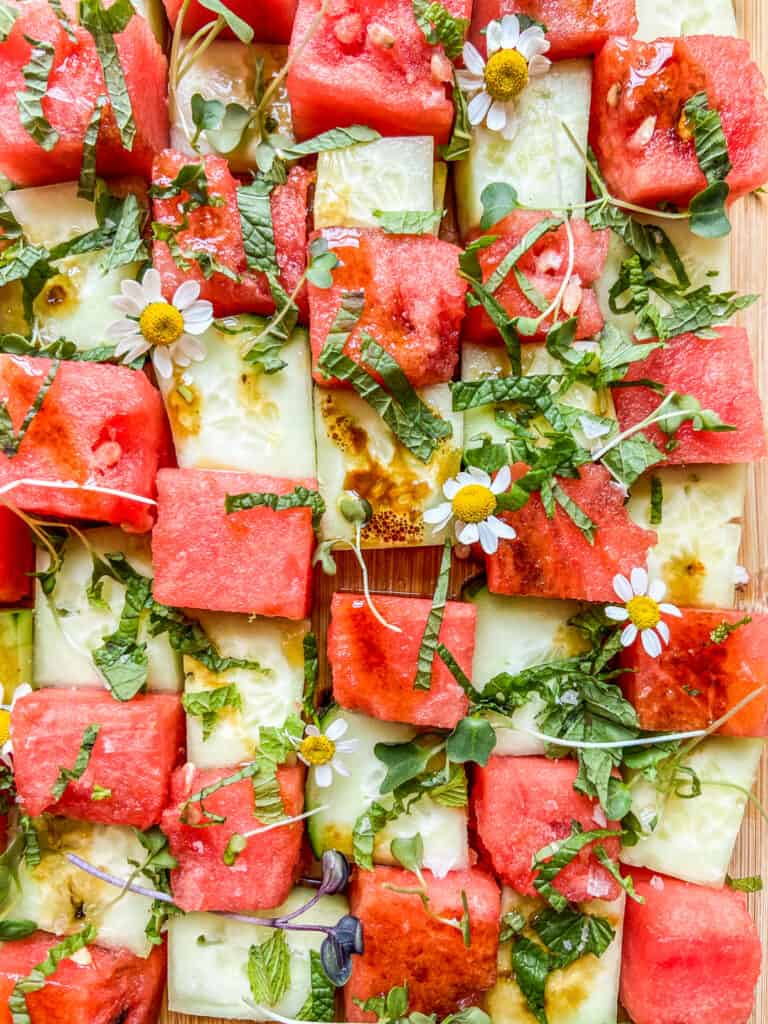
414, 572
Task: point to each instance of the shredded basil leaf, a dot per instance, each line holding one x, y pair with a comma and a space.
36, 74
408, 222
37, 977
67, 775
10, 439
529, 239
8, 16
552, 859
440, 26
336, 138
657, 501
206, 704
708, 215
86, 185
104, 24
300, 497
751, 883
429, 639
458, 145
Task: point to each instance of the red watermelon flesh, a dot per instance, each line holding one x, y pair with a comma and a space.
638, 94
258, 562
100, 424
414, 300
17, 557
271, 20
139, 744
719, 373
369, 63
553, 558
575, 28
521, 805
405, 945
263, 874
217, 231
695, 681
545, 265
74, 84
691, 954
374, 668
115, 986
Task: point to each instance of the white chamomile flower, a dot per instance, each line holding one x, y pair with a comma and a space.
471, 502
514, 57
318, 750
642, 611
165, 328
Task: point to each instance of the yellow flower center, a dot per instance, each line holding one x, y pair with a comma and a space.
317, 749
474, 503
161, 323
506, 75
643, 612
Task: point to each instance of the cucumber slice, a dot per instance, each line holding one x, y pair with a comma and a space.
268, 697
699, 535
356, 451
59, 896
68, 628
224, 415
541, 161
51, 214
585, 993
694, 838
208, 959
15, 651
389, 174
512, 634
443, 829
685, 18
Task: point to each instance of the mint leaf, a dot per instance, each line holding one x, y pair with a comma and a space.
657, 501
752, 883
253, 202
8, 16
269, 969
498, 199
458, 145
67, 775
429, 639
104, 24
473, 739
240, 28
408, 222
10, 439
37, 977
552, 859
632, 457
409, 852
531, 967
10, 930
208, 817
299, 497
336, 138
708, 216
321, 1001
86, 185
529, 239
440, 26
569, 934
206, 704
36, 73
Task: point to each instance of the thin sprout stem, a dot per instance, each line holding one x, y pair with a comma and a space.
355, 547
613, 744
647, 422
554, 306
277, 81
742, 789
724, 718
173, 60
121, 883
72, 485
250, 343
285, 821
214, 31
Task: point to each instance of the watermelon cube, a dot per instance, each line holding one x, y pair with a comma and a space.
406, 945
369, 64
718, 371
691, 954
271, 20
98, 424
645, 151
217, 231
102, 986
553, 558
258, 562
414, 300
263, 874
696, 680
523, 804
74, 84
544, 265
17, 558
374, 668
147, 733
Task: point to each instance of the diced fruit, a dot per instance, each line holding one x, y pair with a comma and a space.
685, 18
368, 65
204, 557
414, 300
639, 92
226, 414
695, 680
15, 651
443, 829
51, 214
97, 423
17, 557
541, 163
207, 957
553, 558
691, 955
356, 451
154, 12
268, 695
70, 626
694, 838
216, 231
100, 986
374, 668
271, 20
544, 266
74, 84
523, 804
718, 372
263, 874
147, 733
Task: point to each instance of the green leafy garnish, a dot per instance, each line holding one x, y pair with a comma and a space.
36, 74
498, 199
100, 793
458, 145
37, 977
531, 967
750, 883
657, 501
440, 26
121, 658
336, 138
104, 24
269, 969
311, 675
248, 771
517, 251
299, 497
8, 16
707, 209
63, 20
86, 185
67, 775
240, 28
429, 640
473, 739
408, 222
206, 704
321, 1001
722, 631
10, 439
10, 930
552, 859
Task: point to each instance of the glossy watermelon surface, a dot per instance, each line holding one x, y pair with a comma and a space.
271, 20
696, 680
405, 944
374, 668
263, 874
114, 986
533, 562
691, 954
146, 733
217, 231
521, 805
100, 424
718, 371
75, 83
638, 94
17, 558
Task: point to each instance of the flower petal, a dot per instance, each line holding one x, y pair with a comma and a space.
186, 294
509, 131
532, 42
657, 590
478, 476
128, 306
639, 580
134, 290
472, 60
123, 329
438, 514
192, 348
467, 533
622, 587
670, 609
538, 66
510, 31
469, 82
477, 107
338, 766
162, 361
489, 542
651, 643
451, 488
497, 117
629, 635
502, 480
663, 630
616, 614
312, 730
151, 285
323, 775
493, 37
501, 529
347, 746
336, 729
